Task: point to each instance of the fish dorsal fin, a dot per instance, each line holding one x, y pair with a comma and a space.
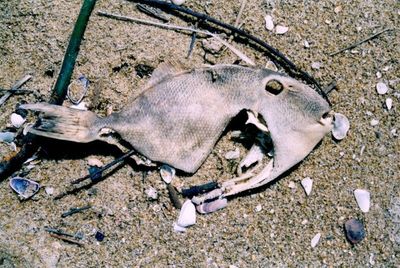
164, 71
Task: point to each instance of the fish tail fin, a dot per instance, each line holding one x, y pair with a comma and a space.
58, 122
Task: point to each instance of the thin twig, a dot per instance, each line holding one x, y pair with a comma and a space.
239, 15
176, 27
17, 85
74, 210
360, 42
192, 41
67, 239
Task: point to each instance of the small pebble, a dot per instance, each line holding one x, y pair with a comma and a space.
292, 185
17, 120
374, 122
315, 240
99, 236
281, 29
363, 198
231, 155
378, 75
316, 65
269, 23
337, 9
389, 103
354, 230
306, 44
307, 185
7, 137
49, 190
151, 193
381, 88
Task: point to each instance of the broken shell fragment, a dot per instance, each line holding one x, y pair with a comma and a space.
307, 185
151, 193
213, 206
178, 2
363, 199
178, 228
269, 23
374, 122
231, 155
389, 103
187, 216
24, 187
17, 120
381, 88
167, 173
7, 137
280, 29
341, 126
94, 162
315, 240
354, 230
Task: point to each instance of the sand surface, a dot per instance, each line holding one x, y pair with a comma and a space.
138, 232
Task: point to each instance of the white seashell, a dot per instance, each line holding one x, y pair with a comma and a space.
178, 228
280, 29
374, 122
378, 75
363, 199
213, 206
167, 173
307, 185
306, 44
315, 240
94, 162
233, 154
17, 120
7, 137
258, 208
49, 190
292, 185
381, 88
269, 23
151, 193
187, 216
341, 126
316, 65
25, 188
178, 2
389, 103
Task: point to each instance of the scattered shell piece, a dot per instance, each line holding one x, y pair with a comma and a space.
213, 206
81, 106
187, 216
381, 88
341, 126
7, 137
337, 9
17, 120
25, 188
167, 173
374, 122
233, 154
258, 208
292, 185
269, 23
354, 230
316, 65
49, 190
280, 29
94, 162
151, 193
389, 103
315, 240
271, 65
307, 185
378, 75
178, 228
363, 199
178, 2
77, 89
306, 44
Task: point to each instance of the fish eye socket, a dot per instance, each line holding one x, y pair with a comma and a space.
274, 87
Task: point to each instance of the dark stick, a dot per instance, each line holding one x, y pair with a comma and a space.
192, 41
285, 62
360, 42
59, 91
16, 86
74, 210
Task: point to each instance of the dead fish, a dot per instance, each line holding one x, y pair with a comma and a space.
182, 113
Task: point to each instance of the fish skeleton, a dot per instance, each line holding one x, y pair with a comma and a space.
181, 114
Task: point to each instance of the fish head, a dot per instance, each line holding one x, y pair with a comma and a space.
296, 116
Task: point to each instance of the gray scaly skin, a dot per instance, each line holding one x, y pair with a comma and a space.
182, 113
